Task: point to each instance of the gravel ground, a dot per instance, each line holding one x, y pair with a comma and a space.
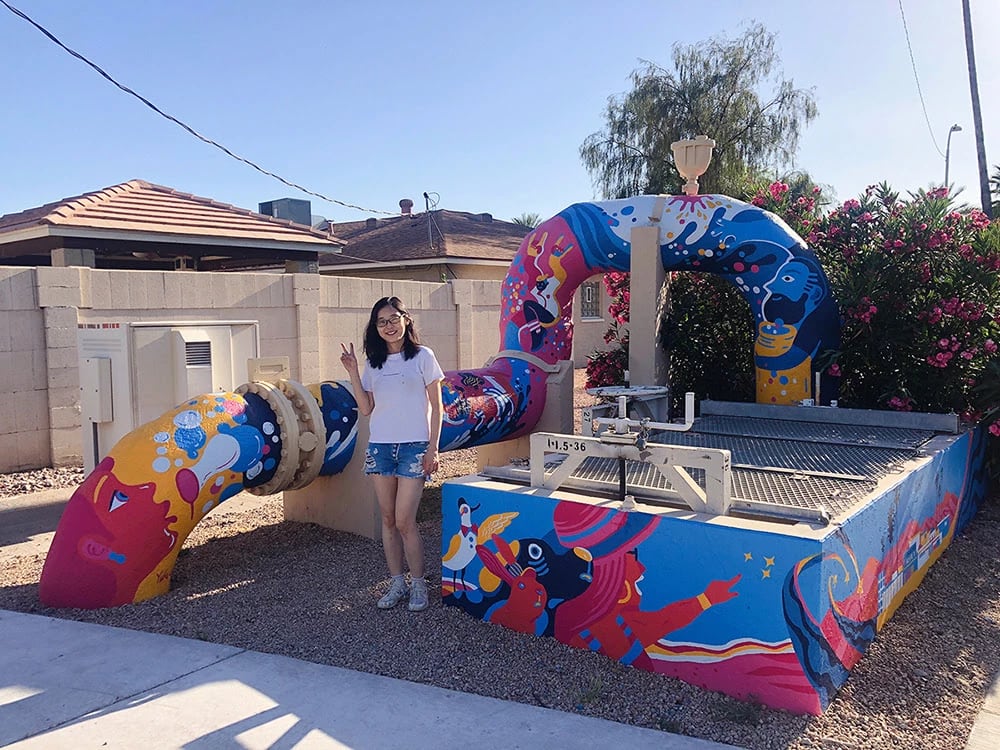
254, 581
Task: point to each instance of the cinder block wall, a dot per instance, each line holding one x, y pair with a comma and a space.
24, 398
303, 316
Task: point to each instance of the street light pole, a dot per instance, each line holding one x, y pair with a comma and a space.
947, 151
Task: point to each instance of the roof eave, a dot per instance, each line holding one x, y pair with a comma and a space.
330, 247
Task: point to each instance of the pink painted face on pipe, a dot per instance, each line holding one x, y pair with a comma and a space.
97, 559
120, 534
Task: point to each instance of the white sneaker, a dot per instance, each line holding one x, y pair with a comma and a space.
396, 593
418, 596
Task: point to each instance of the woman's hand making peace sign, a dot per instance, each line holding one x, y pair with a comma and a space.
348, 359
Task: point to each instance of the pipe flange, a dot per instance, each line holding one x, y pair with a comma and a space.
288, 423
312, 432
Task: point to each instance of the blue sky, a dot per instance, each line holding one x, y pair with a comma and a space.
483, 104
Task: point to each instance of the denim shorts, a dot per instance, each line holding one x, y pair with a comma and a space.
396, 459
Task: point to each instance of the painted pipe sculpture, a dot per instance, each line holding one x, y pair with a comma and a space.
124, 526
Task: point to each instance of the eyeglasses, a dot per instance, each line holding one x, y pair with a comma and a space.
391, 320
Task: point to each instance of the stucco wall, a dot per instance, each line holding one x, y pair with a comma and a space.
303, 316
588, 333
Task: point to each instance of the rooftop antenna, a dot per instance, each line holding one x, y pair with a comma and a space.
430, 237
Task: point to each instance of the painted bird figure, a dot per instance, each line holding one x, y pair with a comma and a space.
462, 547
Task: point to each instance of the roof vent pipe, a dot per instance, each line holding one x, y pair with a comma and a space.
405, 206
370, 222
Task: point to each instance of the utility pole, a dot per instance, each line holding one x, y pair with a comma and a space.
977, 115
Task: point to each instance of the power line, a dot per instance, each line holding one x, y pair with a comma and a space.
916, 78
183, 125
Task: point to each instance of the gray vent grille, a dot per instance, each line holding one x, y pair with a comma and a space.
198, 353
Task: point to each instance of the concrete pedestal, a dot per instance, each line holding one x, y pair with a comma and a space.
345, 501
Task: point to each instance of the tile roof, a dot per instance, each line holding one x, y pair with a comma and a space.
452, 235
142, 207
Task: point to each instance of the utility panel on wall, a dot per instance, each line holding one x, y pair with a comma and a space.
150, 368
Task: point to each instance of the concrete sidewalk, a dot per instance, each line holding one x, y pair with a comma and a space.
985, 733
73, 685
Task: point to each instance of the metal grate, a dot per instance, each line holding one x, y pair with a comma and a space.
784, 488
781, 468
799, 490
815, 432
826, 458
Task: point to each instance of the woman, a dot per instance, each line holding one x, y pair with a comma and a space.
401, 392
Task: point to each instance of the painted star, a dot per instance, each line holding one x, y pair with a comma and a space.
747, 557
766, 573
768, 561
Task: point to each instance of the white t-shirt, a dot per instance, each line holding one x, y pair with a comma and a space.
402, 410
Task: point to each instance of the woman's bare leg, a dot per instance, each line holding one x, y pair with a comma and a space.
392, 542
408, 494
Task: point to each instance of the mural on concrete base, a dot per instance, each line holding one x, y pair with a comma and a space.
761, 615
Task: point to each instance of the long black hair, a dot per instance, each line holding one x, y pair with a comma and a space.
376, 350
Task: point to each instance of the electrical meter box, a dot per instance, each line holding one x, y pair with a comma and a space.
131, 373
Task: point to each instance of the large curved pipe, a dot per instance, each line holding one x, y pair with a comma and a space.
122, 529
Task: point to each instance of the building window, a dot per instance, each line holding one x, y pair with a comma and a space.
590, 299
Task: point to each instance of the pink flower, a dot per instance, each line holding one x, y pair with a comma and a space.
778, 189
834, 371
995, 428
901, 404
979, 220
990, 345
